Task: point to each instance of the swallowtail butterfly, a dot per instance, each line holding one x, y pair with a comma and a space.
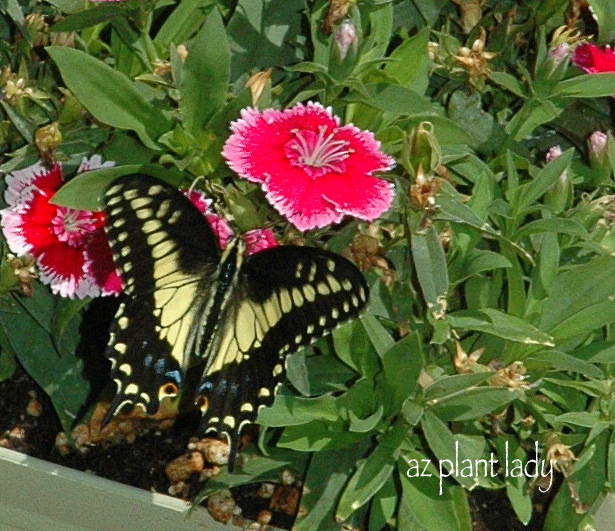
190, 303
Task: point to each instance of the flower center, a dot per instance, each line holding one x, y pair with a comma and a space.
75, 226
317, 153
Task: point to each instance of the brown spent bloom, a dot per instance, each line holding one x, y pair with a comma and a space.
424, 191
24, 269
512, 377
560, 455
475, 59
338, 9
471, 12
48, 138
162, 68
465, 363
366, 252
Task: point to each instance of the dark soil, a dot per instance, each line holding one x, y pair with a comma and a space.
142, 463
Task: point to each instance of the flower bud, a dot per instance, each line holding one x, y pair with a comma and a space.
345, 37
421, 152
600, 156
598, 145
559, 195
344, 49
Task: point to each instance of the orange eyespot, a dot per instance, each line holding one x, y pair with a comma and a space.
202, 402
169, 389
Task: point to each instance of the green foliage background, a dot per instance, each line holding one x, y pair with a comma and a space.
508, 256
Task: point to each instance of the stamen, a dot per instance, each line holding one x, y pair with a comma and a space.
318, 151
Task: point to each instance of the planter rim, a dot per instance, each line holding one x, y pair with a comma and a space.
41, 496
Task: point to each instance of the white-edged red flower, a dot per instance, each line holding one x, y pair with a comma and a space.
69, 245
312, 170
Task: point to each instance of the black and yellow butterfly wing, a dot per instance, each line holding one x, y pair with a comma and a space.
189, 304
165, 252
287, 297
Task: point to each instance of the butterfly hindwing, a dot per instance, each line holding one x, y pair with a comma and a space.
287, 297
165, 251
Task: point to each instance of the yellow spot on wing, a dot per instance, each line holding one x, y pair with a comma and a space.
297, 297
132, 389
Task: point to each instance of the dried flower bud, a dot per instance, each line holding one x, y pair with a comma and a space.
257, 84
338, 9
512, 376
38, 28
24, 270
560, 455
474, 60
47, 138
467, 363
471, 13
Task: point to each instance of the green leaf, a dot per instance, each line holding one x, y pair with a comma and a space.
451, 385
586, 481
473, 404
109, 95
565, 226
455, 452
499, 324
372, 473
431, 270
562, 362
52, 363
509, 450
580, 300
429, 502
604, 13
391, 98
402, 365
256, 468
328, 473
409, 62
586, 86
316, 436
545, 179
383, 506
478, 261
205, 76
508, 82
378, 335
185, 20
291, 410
89, 17
23, 125
354, 347
87, 190
265, 34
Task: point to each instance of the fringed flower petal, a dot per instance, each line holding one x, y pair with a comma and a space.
313, 170
69, 245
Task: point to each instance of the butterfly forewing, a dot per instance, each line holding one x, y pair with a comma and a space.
166, 252
287, 297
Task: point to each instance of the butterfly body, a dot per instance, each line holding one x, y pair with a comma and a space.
237, 317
